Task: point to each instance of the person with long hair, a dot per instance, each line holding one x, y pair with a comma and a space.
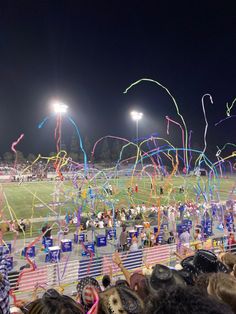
223, 287
228, 259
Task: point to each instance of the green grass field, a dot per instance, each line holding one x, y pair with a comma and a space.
23, 201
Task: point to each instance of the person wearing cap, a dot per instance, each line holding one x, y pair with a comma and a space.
120, 299
203, 261
85, 289
163, 277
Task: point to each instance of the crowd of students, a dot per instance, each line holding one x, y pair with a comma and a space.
200, 283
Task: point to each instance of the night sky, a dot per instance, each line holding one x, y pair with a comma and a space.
86, 53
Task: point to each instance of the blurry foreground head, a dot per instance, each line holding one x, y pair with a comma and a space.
54, 303
228, 259
223, 287
85, 291
121, 282
163, 277
233, 273
203, 261
106, 281
118, 300
202, 282
179, 300
138, 283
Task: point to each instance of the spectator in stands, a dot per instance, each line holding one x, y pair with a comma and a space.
4, 286
117, 260
197, 235
134, 244
166, 234
152, 239
233, 273
181, 212
228, 259
138, 283
202, 282
171, 238
105, 219
106, 281
121, 282
122, 217
232, 242
203, 261
143, 237
120, 299
124, 239
101, 224
223, 288
185, 238
85, 289
54, 303
109, 224
163, 277
182, 300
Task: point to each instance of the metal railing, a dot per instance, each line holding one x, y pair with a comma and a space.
66, 275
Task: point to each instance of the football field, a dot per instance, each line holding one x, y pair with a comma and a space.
49, 198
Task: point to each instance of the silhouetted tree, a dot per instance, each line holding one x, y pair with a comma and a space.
8, 157
105, 153
115, 150
31, 157
74, 145
74, 156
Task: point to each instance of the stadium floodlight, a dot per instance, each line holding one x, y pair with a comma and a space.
59, 107
136, 116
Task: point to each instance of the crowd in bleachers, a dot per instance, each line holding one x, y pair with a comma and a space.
200, 283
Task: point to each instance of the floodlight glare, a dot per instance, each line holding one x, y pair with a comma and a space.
59, 107
136, 116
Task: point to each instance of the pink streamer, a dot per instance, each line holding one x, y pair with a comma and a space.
16, 142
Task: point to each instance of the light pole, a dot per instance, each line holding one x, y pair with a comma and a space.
136, 116
59, 108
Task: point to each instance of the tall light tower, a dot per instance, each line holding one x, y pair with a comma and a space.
136, 116
60, 109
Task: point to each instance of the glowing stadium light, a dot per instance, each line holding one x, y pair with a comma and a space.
136, 116
59, 107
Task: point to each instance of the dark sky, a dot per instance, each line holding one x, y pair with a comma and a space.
87, 52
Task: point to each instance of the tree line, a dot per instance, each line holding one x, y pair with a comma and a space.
108, 150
